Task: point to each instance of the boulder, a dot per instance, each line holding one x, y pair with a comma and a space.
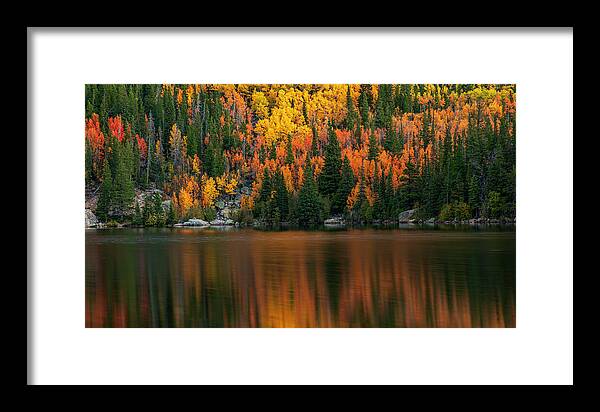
229, 222
217, 222
166, 204
90, 219
406, 216
334, 221
196, 222
430, 221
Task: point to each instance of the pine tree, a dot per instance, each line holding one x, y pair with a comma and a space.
289, 154
171, 216
308, 201
266, 187
389, 205
157, 209
151, 144
122, 188
281, 197
351, 112
104, 200
137, 217
378, 189
373, 147
347, 182
329, 178
363, 104
410, 185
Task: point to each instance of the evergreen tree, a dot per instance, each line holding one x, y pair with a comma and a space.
89, 175
171, 216
281, 197
157, 209
410, 185
151, 144
266, 187
373, 147
104, 200
329, 178
309, 214
122, 188
347, 182
289, 154
138, 219
363, 104
350, 111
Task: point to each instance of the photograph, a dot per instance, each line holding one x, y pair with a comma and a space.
300, 205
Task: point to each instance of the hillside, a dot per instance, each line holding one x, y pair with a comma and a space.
299, 154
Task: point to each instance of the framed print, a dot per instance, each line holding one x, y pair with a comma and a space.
227, 207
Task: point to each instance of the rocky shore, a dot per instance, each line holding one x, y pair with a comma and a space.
227, 210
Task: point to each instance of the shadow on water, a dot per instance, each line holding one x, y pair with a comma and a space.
415, 276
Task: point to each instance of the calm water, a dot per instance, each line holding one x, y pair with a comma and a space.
194, 277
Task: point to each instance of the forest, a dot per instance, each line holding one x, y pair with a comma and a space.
297, 154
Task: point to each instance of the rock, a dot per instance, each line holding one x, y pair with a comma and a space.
217, 222
405, 216
196, 222
229, 222
430, 221
334, 221
90, 219
220, 204
166, 204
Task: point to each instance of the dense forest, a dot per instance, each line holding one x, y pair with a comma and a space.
298, 154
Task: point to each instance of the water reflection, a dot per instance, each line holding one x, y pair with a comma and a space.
247, 278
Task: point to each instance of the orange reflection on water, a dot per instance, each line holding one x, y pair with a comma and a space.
246, 278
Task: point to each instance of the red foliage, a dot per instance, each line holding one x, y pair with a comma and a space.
115, 125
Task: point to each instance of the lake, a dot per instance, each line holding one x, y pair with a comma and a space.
205, 277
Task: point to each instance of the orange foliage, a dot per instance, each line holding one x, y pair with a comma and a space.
115, 125
95, 137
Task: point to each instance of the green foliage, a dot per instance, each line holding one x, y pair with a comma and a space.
347, 182
330, 176
447, 212
461, 211
138, 219
494, 205
309, 206
103, 205
209, 214
171, 215
373, 147
122, 188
